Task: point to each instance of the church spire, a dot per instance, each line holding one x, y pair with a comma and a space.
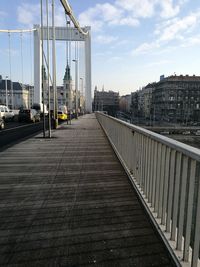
67, 76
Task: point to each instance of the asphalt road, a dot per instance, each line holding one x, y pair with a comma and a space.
15, 132
12, 124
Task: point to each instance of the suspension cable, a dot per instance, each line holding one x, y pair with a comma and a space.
10, 69
69, 12
48, 75
22, 65
31, 56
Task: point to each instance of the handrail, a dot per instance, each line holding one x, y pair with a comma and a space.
181, 147
166, 173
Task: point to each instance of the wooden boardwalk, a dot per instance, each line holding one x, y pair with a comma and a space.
67, 201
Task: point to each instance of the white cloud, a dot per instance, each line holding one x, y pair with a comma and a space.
139, 8
191, 41
128, 21
159, 63
99, 15
149, 8
106, 14
168, 10
29, 14
145, 48
105, 39
179, 27
89, 18
128, 12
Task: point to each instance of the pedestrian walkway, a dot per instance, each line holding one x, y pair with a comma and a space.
67, 201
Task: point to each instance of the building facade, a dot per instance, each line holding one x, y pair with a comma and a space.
177, 98
125, 103
18, 95
106, 101
148, 108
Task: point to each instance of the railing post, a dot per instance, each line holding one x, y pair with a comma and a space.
171, 189
189, 210
195, 254
182, 202
166, 185
162, 174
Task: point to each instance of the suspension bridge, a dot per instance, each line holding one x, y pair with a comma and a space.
98, 192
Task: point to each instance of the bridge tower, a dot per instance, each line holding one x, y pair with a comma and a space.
62, 34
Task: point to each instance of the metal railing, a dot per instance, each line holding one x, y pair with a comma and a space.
165, 173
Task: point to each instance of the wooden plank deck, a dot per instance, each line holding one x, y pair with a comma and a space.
68, 202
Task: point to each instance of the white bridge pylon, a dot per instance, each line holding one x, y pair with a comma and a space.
62, 34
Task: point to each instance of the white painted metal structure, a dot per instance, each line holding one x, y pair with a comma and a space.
62, 34
165, 173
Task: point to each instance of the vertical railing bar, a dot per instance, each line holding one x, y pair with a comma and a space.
195, 255
158, 176
151, 174
142, 163
182, 203
161, 189
170, 191
154, 175
146, 165
141, 160
189, 210
148, 168
176, 196
140, 168
137, 157
134, 155
130, 148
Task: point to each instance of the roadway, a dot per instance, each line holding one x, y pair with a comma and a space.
13, 124
14, 132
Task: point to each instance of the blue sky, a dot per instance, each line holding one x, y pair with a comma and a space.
133, 41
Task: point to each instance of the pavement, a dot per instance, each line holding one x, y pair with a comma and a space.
67, 201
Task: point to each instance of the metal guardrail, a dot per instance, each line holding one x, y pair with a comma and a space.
166, 174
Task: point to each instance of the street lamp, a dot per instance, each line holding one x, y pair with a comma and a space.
81, 95
76, 86
6, 91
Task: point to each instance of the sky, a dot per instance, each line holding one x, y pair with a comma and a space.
133, 41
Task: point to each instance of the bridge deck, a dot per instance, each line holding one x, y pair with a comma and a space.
68, 202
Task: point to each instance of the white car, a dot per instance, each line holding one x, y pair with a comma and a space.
6, 113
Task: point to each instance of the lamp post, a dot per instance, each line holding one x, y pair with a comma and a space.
81, 95
54, 67
76, 87
6, 85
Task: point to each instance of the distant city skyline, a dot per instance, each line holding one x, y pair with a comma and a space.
133, 42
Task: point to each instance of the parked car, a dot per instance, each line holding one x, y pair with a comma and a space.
6, 113
197, 132
62, 116
29, 115
39, 108
2, 124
